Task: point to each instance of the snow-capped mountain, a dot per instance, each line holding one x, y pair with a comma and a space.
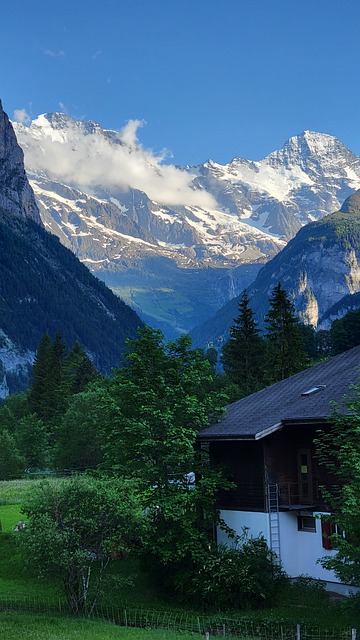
177, 243
308, 178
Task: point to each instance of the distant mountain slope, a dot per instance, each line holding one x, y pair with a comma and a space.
44, 287
318, 268
127, 216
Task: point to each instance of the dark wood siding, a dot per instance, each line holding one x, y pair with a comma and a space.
284, 452
243, 462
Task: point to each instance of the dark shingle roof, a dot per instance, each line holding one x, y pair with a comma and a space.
264, 411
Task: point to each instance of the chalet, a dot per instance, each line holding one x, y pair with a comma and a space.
266, 440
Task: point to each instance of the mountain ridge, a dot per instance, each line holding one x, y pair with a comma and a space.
319, 268
117, 229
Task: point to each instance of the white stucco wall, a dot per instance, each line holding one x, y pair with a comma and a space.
299, 550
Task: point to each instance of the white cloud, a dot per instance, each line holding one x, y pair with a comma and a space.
91, 161
20, 115
53, 54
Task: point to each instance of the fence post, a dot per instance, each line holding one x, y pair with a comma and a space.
207, 635
353, 634
298, 634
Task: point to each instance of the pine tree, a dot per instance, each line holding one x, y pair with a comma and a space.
39, 386
78, 371
45, 394
242, 354
285, 349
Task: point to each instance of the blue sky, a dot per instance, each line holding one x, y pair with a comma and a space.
211, 78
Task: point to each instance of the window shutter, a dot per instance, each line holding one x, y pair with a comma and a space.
326, 531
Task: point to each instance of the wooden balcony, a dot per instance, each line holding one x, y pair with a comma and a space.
250, 496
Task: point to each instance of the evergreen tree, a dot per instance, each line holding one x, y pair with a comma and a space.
78, 371
39, 386
45, 393
242, 354
285, 351
345, 332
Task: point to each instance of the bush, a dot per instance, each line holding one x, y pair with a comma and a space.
244, 575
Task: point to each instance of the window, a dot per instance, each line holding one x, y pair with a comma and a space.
305, 476
313, 390
307, 523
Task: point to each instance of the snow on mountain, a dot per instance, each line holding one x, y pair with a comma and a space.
84, 186
118, 205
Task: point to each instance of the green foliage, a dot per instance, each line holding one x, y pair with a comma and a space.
242, 354
285, 350
339, 451
153, 409
155, 406
77, 437
57, 375
32, 440
12, 464
235, 577
78, 523
345, 332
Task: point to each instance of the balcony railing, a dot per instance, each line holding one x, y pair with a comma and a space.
254, 496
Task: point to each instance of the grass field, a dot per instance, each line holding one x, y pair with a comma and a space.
15, 626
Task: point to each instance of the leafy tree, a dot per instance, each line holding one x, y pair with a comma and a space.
242, 575
78, 524
78, 443
339, 451
12, 464
242, 354
285, 350
155, 406
32, 440
153, 409
7, 419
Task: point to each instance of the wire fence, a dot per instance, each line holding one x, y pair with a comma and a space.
206, 626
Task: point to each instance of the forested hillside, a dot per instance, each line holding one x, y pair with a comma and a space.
44, 288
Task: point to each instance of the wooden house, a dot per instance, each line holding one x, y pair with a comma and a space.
266, 441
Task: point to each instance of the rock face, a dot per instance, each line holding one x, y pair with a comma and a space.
44, 288
319, 268
16, 195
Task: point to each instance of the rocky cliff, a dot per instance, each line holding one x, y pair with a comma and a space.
16, 195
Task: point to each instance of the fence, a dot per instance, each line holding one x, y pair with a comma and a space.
206, 626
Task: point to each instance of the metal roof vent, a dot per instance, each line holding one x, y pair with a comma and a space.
313, 390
